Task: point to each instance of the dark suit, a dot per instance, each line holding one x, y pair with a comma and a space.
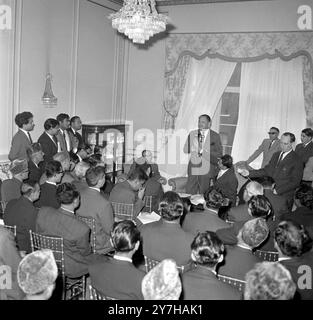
201, 221
287, 174
202, 168
19, 146
65, 142
123, 193
202, 284
239, 213
293, 265
49, 147
35, 172
155, 173
75, 234
154, 188
93, 204
22, 214
228, 185
116, 279
75, 138
238, 261
10, 189
162, 240
302, 216
304, 152
47, 196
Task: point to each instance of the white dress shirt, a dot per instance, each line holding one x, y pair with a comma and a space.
221, 172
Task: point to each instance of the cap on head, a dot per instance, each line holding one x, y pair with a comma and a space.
18, 166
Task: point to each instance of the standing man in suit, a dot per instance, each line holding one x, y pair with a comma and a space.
305, 149
268, 147
22, 140
285, 167
48, 140
63, 136
75, 137
204, 146
226, 180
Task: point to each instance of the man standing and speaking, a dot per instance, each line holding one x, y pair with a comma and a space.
204, 146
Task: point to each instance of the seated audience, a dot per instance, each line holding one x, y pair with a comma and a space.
11, 188
226, 180
200, 221
165, 239
131, 191
303, 214
239, 258
278, 202
22, 214
10, 257
37, 273
153, 187
63, 223
258, 207
305, 149
94, 205
116, 276
201, 282
293, 245
54, 173
240, 213
162, 282
35, 163
79, 174
269, 281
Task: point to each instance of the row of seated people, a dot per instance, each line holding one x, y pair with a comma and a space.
166, 238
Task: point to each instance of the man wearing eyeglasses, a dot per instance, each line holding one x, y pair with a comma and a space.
268, 147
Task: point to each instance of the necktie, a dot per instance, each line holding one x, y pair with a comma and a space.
280, 159
55, 140
30, 138
271, 144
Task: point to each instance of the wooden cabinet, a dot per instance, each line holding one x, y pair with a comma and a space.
112, 139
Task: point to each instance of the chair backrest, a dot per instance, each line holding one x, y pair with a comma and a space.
39, 241
238, 284
150, 264
148, 203
11, 228
91, 223
123, 211
266, 255
96, 295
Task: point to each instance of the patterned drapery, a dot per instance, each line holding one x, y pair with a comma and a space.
233, 47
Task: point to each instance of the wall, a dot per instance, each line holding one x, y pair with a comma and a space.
146, 63
74, 41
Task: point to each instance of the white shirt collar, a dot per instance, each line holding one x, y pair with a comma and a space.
97, 189
116, 257
307, 143
79, 157
26, 132
286, 153
283, 258
243, 247
62, 131
50, 182
72, 212
74, 131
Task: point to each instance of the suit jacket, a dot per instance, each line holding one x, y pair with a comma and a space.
229, 235
20, 144
62, 141
75, 138
278, 202
35, 172
228, 185
162, 240
287, 175
308, 170
155, 173
212, 150
266, 150
48, 147
154, 188
302, 216
21, 213
202, 284
93, 204
10, 189
304, 152
293, 264
47, 196
9, 256
123, 193
116, 279
200, 221
75, 234
238, 261
239, 213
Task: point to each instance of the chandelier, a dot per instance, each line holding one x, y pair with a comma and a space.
138, 20
48, 97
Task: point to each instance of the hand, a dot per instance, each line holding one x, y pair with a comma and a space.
141, 193
274, 191
243, 172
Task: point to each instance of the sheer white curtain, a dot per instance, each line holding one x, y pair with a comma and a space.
205, 83
271, 94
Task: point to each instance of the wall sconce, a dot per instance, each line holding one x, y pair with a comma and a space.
48, 98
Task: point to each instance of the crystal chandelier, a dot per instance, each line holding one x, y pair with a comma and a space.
138, 20
48, 97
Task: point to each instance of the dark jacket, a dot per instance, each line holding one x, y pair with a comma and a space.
48, 196
49, 147
228, 185
304, 152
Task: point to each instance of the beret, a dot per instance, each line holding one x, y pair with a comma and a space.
18, 166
